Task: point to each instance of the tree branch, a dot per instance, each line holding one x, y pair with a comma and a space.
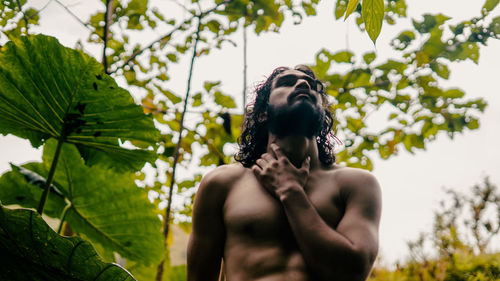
107, 23
167, 35
24, 15
88, 26
244, 66
166, 219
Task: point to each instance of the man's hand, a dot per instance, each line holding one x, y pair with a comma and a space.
277, 174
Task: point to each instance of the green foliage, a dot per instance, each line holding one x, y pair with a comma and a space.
30, 250
463, 267
128, 226
13, 23
373, 16
489, 5
372, 13
407, 86
49, 91
455, 258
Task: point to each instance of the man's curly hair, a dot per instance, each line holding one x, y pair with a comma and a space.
255, 132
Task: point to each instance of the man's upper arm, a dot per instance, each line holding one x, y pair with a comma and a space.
362, 214
206, 243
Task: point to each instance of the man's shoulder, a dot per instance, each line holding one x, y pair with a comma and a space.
355, 180
224, 175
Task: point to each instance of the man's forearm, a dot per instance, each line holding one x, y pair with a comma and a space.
328, 253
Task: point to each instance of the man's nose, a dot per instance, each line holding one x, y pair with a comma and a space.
302, 84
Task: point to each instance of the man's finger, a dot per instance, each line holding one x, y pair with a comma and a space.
257, 170
306, 164
277, 151
261, 162
268, 157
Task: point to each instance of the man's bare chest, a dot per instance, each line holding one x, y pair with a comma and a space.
250, 211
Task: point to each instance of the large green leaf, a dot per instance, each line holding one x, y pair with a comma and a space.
105, 206
47, 90
373, 16
30, 250
24, 186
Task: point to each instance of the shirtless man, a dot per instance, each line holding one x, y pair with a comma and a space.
286, 212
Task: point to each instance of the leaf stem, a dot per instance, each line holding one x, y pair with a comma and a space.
50, 177
63, 216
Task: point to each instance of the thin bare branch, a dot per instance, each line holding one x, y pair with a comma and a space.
167, 35
244, 66
88, 26
166, 219
24, 15
107, 23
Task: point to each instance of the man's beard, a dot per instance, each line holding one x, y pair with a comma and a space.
300, 119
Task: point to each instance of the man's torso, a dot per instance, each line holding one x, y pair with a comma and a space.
259, 241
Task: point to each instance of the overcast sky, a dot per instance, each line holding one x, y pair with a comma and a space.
411, 184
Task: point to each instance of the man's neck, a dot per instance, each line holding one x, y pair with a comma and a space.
297, 148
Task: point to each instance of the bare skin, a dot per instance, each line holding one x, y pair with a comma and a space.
288, 217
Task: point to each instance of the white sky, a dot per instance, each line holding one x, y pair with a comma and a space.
411, 184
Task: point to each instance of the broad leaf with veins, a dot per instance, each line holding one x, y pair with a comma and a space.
48, 90
30, 250
105, 206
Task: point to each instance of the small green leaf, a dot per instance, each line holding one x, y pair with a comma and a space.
369, 57
495, 25
373, 16
489, 5
473, 124
225, 101
197, 100
399, 67
441, 70
172, 57
453, 93
343, 56
350, 8
214, 26
208, 85
340, 8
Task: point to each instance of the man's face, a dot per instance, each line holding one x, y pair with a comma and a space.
295, 107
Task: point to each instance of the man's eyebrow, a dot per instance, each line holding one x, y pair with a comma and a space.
288, 76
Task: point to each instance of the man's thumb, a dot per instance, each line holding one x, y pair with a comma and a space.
306, 164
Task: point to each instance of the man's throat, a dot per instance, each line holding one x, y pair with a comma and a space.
296, 148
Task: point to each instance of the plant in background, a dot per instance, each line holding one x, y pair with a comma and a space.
463, 228
408, 84
61, 98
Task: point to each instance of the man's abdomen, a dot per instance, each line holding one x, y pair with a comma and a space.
264, 263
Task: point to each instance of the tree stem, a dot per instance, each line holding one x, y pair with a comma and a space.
244, 66
24, 15
166, 219
50, 177
107, 23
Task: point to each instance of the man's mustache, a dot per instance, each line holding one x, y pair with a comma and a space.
298, 92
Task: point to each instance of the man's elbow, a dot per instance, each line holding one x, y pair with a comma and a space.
354, 266
362, 261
